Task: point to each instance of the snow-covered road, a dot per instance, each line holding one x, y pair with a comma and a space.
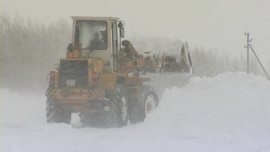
227, 113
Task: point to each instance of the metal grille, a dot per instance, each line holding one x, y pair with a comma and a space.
73, 73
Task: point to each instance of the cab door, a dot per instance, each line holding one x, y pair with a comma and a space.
116, 42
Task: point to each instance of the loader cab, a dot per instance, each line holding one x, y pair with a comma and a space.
100, 38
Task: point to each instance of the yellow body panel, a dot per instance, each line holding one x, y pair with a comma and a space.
98, 65
107, 80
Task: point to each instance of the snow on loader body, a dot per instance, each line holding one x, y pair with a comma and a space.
99, 78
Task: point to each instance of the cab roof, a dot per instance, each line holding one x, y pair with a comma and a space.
89, 18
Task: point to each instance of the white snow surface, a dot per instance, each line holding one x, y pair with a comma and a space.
227, 113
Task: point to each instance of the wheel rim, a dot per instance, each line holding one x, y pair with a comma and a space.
150, 104
124, 109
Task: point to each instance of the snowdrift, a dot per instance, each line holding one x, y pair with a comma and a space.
22, 110
230, 112
230, 102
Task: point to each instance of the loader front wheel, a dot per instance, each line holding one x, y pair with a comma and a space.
150, 104
146, 103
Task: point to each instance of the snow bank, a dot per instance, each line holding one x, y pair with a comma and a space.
230, 112
224, 102
76, 120
18, 110
162, 81
233, 107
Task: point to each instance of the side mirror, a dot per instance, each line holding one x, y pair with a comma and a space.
122, 29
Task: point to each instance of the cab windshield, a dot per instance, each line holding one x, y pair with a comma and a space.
91, 34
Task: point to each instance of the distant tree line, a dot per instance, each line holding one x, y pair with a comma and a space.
30, 50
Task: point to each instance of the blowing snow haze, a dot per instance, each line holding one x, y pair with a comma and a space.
216, 25
218, 107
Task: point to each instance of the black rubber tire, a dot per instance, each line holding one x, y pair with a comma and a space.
117, 114
138, 111
55, 114
120, 101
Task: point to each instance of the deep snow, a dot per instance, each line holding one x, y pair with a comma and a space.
227, 113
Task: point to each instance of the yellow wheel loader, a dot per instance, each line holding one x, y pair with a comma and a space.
99, 78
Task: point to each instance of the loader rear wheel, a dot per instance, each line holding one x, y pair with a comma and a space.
122, 104
124, 111
55, 114
109, 113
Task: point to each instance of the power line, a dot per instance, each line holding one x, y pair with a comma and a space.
259, 62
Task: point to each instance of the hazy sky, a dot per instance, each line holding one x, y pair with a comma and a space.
213, 24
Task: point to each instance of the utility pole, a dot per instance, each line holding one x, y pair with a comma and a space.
252, 49
247, 46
